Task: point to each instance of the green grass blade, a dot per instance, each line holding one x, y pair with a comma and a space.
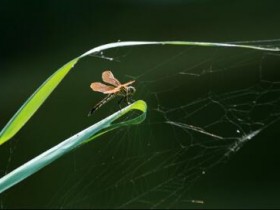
72, 143
179, 43
214, 44
34, 102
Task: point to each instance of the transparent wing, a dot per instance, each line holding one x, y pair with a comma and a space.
99, 87
109, 78
128, 83
115, 90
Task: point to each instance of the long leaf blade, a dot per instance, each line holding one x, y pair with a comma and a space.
34, 102
72, 143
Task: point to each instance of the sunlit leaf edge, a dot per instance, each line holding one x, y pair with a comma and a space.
72, 143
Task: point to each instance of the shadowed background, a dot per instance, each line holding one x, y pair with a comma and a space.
37, 37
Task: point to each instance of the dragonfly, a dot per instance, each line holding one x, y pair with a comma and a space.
111, 89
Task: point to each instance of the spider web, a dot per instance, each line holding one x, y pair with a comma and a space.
204, 104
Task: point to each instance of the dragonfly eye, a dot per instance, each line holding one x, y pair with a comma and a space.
131, 90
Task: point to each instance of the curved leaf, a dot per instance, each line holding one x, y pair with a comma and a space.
72, 143
34, 102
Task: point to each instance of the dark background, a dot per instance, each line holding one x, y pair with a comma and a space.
37, 37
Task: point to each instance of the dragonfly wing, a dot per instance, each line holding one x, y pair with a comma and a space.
115, 90
128, 83
100, 87
109, 78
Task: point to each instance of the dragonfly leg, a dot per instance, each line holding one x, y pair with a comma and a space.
127, 100
130, 99
120, 101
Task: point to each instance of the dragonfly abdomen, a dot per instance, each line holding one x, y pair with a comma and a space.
101, 103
